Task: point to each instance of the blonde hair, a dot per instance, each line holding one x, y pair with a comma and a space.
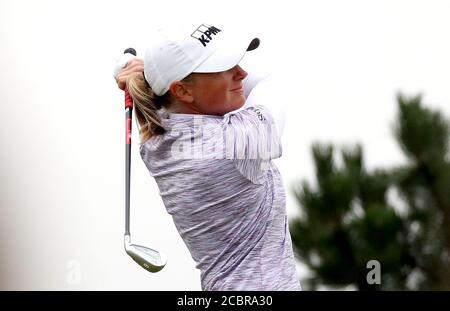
146, 105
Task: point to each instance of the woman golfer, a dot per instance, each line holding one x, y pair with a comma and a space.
210, 153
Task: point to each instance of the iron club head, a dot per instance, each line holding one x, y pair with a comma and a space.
149, 259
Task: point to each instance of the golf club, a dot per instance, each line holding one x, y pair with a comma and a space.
149, 259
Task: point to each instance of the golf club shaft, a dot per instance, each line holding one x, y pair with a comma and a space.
128, 125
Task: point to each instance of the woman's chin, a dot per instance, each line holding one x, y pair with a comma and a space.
232, 107
237, 106
240, 103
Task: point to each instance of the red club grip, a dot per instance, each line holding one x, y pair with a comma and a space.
128, 132
128, 99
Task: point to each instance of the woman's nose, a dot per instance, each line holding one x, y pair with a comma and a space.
240, 73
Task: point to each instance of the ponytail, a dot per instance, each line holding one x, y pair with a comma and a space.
146, 105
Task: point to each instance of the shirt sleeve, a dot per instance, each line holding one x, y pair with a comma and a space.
252, 141
265, 94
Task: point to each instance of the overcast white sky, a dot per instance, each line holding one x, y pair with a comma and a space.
339, 65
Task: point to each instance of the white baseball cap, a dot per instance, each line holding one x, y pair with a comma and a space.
202, 48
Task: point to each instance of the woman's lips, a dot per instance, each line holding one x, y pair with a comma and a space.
239, 89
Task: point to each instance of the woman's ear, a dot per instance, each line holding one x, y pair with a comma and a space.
181, 92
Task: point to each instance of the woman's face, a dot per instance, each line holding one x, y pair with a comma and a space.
217, 93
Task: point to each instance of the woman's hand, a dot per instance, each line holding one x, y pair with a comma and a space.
125, 67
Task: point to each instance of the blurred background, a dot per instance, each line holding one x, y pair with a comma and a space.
365, 163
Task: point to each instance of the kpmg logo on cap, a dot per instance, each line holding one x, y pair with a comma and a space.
204, 33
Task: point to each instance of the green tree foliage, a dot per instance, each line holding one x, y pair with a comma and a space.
349, 217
